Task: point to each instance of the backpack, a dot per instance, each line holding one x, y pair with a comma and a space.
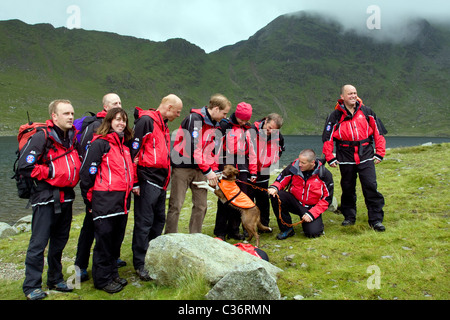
81, 123
25, 185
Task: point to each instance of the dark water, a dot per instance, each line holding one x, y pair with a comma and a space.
12, 208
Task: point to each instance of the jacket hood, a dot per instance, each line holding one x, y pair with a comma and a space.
206, 116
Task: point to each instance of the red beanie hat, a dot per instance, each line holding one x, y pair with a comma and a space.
244, 111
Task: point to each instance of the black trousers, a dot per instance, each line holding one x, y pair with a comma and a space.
228, 219
289, 204
109, 234
373, 199
261, 199
85, 241
149, 220
52, 229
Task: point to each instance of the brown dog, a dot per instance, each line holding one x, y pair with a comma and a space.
250, 214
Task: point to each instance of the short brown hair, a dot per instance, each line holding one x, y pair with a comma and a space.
53, 106
219, 100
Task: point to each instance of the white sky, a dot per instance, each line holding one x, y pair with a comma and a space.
210, 24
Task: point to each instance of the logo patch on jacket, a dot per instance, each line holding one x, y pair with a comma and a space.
93, 170
31, 159
135, 145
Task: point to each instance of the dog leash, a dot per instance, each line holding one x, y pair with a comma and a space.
289, 225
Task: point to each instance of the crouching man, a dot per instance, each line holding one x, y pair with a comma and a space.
305, 188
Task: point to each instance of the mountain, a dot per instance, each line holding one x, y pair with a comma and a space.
294, 66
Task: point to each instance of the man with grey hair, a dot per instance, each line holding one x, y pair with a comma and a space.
269, 146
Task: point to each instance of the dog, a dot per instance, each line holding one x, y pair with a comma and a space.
250, 214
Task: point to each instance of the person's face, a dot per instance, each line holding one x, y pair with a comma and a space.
270, 126
240, 121
305, 164
350, 96
218, 115
63, 117
174, 112
112, 102
118, 124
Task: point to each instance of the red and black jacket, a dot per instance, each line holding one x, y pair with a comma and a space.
268, 149
194, 145
107, 176
354, 135
53, 162
314, 191
151, 147
235, 146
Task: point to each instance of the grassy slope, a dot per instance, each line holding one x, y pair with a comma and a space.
412, 255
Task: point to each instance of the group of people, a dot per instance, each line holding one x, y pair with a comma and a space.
112, 161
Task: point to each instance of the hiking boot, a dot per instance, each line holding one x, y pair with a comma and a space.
37, 294
378, 226
346, 223
121, 263
61, 287
236, 236
123, 282
112, 287
143, 274
286, 234
84, 276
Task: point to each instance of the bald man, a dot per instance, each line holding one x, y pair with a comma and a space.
150, 151
354, 127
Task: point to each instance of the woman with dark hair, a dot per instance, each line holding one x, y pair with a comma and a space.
107, 177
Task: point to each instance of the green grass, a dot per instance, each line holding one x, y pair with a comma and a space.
412, 255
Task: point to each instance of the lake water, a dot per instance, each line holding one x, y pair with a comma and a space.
12, 208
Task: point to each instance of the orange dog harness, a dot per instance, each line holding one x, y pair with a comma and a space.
234, 195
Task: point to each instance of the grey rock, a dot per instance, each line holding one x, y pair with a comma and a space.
248, 282
6, 230
168, 256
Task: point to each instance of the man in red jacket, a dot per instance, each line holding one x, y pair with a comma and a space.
52, 160
150, 150
305, 188
354, 127
193, 159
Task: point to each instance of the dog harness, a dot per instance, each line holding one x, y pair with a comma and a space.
234, 195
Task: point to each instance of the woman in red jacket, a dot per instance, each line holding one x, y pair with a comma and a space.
107, 177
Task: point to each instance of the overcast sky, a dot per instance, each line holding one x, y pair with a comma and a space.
211, 24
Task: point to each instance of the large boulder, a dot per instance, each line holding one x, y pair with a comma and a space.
6, 230
248, 282
170, 255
